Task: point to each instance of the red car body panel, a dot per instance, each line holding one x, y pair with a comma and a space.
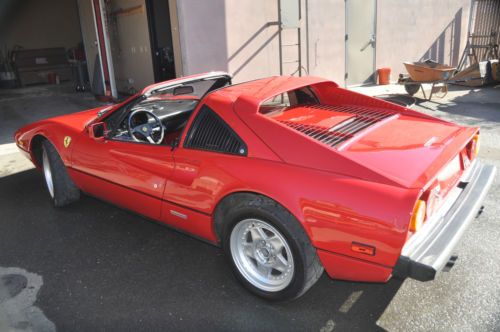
363, 192
55, 129
345, 268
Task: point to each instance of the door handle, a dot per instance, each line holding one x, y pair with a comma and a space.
370, 42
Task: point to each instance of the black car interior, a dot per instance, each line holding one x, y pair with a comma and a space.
161, 117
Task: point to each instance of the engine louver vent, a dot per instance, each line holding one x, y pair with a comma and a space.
209, 132
363, 118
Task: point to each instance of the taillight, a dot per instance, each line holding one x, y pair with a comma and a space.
433, 200
473, 147
417, 216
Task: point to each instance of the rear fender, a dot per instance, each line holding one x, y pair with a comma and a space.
334, 210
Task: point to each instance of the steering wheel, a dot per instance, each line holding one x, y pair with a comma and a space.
147, 132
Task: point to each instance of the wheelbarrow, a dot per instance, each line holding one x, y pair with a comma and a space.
427, 72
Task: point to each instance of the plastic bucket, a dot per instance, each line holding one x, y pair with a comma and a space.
51, 78
384, 75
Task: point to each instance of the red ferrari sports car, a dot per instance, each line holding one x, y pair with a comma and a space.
290, 175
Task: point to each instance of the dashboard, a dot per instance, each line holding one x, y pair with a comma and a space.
174, 115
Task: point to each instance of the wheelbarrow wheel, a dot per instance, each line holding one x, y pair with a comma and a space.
412, 88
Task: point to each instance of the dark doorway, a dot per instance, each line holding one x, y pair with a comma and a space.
160, 33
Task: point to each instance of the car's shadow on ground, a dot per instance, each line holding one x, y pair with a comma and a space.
105, 268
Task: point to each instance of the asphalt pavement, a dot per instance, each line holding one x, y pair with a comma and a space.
92, 266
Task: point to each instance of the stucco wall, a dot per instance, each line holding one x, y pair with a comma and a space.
252, 39
202, 32
242, 37
39, 24
415, 30
326, 46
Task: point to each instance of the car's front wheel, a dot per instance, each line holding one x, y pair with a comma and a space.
61, 188
269, 250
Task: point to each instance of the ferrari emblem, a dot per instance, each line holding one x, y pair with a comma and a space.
67, 141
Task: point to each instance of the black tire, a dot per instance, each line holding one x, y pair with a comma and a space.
411, 89
307, 266
64, 189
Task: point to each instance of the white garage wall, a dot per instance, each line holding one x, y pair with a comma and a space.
233, 35
241, 37
202, 33
414, 30
326, 46
252, 39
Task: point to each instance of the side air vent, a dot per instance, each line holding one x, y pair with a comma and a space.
210, 133
363, 118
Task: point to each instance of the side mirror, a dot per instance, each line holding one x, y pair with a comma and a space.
175, 143
183, 90
97, 130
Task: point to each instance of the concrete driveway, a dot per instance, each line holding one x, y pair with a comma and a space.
92, 266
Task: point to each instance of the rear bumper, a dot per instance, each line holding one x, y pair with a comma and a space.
428, 251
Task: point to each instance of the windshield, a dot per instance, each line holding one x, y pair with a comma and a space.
172, 104
190, 90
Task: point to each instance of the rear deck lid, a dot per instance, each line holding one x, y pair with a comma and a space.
406, 148
331, 125
410, 149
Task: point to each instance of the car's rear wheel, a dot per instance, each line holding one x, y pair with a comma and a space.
61, 188
262, 255
269, 250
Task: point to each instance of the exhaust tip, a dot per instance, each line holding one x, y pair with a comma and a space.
450, 263
480, 211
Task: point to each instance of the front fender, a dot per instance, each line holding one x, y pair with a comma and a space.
57, 135
56, 130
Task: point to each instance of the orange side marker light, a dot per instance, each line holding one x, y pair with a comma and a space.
363, 248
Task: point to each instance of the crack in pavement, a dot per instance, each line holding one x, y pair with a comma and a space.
18, 293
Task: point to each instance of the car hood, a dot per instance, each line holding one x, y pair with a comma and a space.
79, 120
70, 124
